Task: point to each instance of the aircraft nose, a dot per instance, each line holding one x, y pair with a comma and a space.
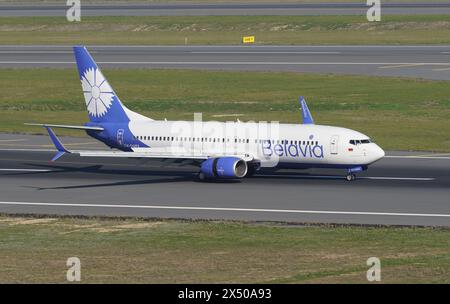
379, 153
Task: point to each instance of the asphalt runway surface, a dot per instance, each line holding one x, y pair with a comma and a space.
428, 62
221, 9
402, 189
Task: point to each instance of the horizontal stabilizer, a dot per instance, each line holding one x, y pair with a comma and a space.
66, 126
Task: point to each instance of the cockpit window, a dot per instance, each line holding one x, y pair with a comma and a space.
358, 141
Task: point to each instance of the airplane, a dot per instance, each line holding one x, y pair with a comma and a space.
221, 150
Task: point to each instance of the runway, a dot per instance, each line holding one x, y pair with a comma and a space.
222, 9
402, 189
428, 62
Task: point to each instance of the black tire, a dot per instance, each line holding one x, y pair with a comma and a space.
251, 170
350, 177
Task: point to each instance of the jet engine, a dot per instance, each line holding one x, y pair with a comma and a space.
223, 167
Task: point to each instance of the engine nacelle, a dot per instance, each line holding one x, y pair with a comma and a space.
224, 167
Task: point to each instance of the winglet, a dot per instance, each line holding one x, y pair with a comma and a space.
59, 146
306, 115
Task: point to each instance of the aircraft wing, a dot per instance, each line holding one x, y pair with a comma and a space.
155, 153
150, 154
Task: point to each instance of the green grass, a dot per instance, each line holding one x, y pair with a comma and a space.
405, 114
134, 251
401, 29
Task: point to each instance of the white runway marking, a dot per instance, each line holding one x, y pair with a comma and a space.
26, 170
230, 209
29, 150
418, 157
441, 70
265, 52
10, 140
397, 178
36, 52
359, 177
399, 66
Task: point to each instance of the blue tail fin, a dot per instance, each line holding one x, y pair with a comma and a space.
102, 103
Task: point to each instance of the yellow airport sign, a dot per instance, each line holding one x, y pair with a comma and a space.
248, 39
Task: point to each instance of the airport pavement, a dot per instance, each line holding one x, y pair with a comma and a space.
221, 9
428, 62
402, 189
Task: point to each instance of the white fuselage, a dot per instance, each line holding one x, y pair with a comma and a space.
271, 143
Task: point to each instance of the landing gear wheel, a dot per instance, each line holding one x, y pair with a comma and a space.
350, 177
201, 176
250, 172
252, 169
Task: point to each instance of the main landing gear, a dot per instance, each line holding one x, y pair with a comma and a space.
201, 176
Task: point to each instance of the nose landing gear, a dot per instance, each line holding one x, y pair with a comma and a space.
350, 177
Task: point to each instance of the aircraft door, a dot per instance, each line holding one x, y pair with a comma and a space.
334, 144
